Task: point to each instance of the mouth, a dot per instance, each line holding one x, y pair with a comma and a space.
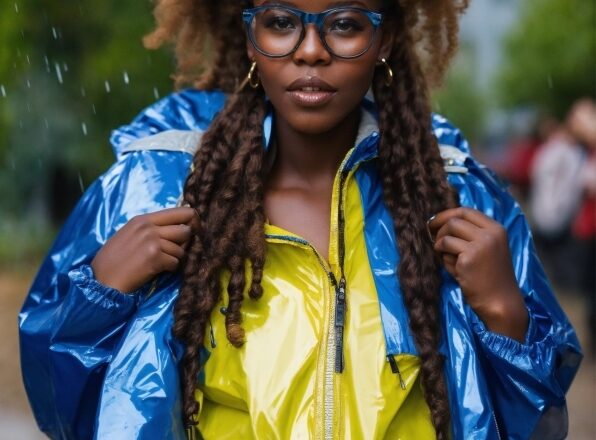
311, 91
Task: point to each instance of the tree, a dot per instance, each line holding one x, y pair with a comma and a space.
68, 76
550, 57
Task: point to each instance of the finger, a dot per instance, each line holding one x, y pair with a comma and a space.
169, 263
472, 215
451, 245
449, 261
171, 249
172, 216
176, 233
460, 228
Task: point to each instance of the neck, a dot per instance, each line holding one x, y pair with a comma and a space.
311, 160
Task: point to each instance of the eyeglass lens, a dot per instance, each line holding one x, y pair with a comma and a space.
278, 31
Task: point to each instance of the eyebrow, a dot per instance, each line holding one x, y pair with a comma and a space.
331, 4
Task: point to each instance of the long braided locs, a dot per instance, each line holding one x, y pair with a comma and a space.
412, 194
226, 187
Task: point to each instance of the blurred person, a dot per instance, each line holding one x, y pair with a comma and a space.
582, 125
296, 247
554, 200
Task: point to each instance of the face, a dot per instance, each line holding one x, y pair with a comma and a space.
312, 90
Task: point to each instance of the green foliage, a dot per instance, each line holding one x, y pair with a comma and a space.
460, 99
550, 57
71, 73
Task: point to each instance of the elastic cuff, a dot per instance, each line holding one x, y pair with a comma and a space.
99, 294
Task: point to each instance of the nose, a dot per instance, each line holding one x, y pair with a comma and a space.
312, 50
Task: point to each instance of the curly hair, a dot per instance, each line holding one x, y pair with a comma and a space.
228, 177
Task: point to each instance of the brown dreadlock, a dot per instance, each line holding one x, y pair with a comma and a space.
228, 177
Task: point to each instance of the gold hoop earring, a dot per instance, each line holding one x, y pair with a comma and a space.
388, 72
252, 80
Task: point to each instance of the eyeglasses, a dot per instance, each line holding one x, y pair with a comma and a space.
277, 31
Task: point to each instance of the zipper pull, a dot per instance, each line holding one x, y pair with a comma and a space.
395, 370
340, 320
211, 335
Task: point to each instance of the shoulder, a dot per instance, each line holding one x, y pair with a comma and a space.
184, 112
478, 186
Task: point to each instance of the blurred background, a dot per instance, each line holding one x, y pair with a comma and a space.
522, 90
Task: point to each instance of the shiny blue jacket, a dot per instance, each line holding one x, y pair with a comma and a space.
100, 364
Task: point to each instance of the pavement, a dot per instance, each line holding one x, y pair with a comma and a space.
16, 420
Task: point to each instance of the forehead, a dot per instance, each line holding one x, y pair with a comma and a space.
321, 5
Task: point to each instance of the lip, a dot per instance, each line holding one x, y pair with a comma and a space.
311, 91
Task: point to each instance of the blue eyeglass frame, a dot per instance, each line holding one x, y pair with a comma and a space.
376, 18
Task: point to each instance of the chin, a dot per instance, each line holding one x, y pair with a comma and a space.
314, 123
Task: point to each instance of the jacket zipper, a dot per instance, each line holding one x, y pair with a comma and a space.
335, 363
497, 426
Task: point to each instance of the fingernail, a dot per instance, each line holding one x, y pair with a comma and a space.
430, 235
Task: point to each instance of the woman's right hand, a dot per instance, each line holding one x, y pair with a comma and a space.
146, 246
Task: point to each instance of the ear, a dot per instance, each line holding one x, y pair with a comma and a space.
250, 50
387, 40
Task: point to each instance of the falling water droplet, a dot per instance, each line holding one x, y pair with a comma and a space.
47, 61
28, 83
83, 92
84, 128
54, 33
126, 78
107, 85
58, 73
65, 67
28, 108
16, 8
94, 109
81, 183
3, 91
155, 92
28, 60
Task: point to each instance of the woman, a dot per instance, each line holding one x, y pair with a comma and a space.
329, 284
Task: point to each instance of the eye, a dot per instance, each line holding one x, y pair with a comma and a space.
345, 25
280, 23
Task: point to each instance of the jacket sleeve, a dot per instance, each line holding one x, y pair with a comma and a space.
527, 381
70, 323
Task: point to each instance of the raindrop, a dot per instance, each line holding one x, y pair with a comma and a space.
3, 91
107, 85
84, 128
28, 60
83, 92
81, 183
58, 73
47, 61
155, 93
65, 67
94, 109
126, 78
28, 108
54, 33
16, 8
28, 83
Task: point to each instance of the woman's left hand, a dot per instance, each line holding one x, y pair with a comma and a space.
475, 251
